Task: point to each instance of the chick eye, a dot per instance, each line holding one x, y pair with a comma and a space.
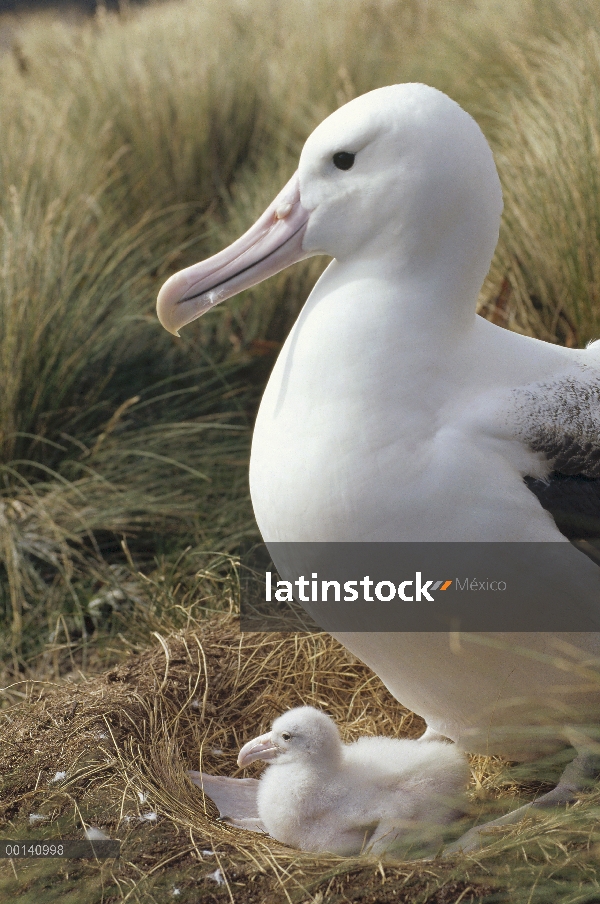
285, 735
344, 160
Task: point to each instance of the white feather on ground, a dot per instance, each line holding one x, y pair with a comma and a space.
377, 795
92, 833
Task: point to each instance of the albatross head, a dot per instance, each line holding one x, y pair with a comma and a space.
301, 734
402, 176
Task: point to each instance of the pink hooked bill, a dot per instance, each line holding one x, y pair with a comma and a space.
270, 245
261, 748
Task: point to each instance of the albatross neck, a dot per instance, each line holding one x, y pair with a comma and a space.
432, 304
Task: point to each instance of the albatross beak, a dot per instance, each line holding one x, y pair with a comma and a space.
271, 245
261, 748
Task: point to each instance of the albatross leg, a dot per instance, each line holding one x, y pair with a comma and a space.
581, 772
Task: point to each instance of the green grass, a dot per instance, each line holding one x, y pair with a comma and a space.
134, 144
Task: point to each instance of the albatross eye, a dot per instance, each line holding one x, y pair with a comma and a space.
285, 735
344, 160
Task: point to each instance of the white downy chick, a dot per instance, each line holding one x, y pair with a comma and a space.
377, 795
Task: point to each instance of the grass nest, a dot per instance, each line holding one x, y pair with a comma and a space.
112, 751
125, 739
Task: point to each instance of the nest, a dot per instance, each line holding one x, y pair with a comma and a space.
128, 736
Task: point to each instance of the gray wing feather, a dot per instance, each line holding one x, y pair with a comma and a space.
561, 420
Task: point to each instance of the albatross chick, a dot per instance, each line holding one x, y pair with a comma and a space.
373, 796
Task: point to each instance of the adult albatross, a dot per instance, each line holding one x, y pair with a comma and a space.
394, 413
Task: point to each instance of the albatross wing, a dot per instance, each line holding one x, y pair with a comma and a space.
560, 419
235, 798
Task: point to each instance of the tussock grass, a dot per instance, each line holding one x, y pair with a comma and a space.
136, 143
132, 145
547, 151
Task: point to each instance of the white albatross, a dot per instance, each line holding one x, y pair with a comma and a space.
375, 796
394, 413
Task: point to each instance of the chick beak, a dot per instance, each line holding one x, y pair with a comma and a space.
261, 748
